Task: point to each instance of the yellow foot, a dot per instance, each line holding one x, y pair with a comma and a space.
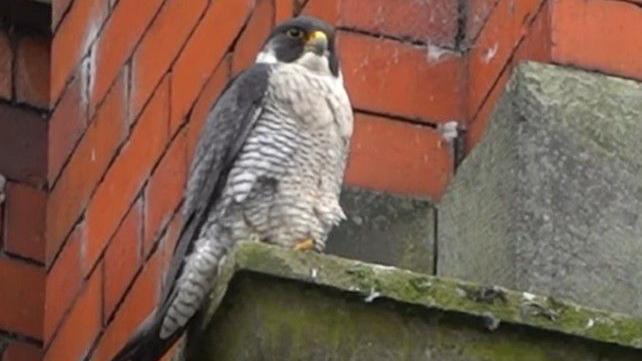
304, 245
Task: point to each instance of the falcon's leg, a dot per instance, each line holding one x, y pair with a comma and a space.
307, 244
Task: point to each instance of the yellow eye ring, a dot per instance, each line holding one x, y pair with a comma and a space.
295, 33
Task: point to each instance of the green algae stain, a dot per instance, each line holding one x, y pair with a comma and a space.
506, 350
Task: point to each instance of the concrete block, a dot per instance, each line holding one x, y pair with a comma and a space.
385, 229
551, 200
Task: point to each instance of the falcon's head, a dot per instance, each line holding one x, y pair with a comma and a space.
304, 40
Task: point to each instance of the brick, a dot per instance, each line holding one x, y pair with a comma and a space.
165, 190
320, 9
537, 47
63, 282
174, 352
72, 40
123, 258
537, 43
299, 5
23, 287
23, 140
25, 221
2, 225
612, 28
6, 60
18, 351
117, 40
160, 46
391, 77
205, 102
433, 22
283, 10
477, 13
58, 9
126, 176
476, 130
256, 31
66, 125
32, 71
495, 45
138, 304
398, 157
86, 166
204, 51
79, 330
168, 245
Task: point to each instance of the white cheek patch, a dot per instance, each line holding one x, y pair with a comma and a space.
266, 56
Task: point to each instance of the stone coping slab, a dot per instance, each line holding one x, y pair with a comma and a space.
494, 305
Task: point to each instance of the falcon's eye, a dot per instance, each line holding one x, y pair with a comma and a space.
295, 33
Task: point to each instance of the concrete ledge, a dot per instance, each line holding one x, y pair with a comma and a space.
300, 304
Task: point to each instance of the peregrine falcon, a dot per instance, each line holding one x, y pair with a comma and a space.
268, 167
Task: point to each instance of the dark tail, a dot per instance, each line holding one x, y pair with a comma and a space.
145, 344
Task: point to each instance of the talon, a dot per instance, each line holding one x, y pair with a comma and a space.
305, 245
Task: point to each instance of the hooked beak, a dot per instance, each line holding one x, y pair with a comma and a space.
316, 42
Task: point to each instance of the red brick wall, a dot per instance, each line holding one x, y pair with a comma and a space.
24, 99
132, 80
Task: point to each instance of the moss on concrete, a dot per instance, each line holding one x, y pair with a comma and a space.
314, 306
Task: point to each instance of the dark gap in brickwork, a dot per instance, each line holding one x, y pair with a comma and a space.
2, 225
3, 348
28, 16
462, 18
13, 47
459, 145
630, 2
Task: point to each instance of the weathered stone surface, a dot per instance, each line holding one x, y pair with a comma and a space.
283, 305
386, 229
551, 200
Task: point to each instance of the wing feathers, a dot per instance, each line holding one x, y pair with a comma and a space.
227, 127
